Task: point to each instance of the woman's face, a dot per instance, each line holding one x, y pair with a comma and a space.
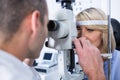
95, 36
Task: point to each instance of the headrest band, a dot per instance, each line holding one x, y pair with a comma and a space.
92, 22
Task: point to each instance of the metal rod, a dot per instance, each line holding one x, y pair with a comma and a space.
72, 60
109, 38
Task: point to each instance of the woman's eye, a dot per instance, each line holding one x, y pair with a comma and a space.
79, 29
90, 30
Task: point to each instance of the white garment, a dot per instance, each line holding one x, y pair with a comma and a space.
12, 68
35, 73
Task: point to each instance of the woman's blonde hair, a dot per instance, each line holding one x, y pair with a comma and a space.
98, 14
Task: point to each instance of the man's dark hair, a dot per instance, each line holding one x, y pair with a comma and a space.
12, 12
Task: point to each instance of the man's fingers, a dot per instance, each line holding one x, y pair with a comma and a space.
78, 45
83, 41
88, 43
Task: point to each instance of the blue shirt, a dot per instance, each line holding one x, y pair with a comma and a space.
115, 72
115, 66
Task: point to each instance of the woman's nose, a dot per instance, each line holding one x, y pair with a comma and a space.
82, 33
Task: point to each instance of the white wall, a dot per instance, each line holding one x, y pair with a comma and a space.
115, 9
82, 4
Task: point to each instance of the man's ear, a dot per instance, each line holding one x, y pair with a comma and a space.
35, 20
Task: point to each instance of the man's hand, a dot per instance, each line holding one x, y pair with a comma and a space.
89, 59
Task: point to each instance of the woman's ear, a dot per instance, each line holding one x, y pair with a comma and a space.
35, 21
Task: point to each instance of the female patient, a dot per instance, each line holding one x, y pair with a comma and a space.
92, 24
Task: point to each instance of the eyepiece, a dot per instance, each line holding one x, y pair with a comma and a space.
53, 25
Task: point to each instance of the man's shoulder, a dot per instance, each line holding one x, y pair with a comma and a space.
11, 68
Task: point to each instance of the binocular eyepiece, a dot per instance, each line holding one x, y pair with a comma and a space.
53, 25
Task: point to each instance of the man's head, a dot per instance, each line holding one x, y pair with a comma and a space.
12, 12
23, 23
